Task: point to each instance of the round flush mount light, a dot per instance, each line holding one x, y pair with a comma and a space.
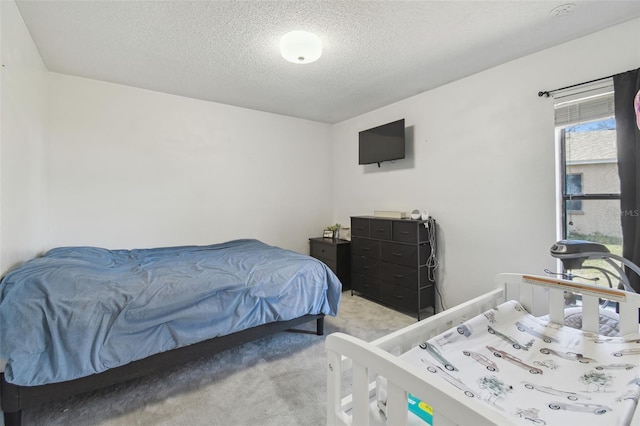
300, 47
563, 10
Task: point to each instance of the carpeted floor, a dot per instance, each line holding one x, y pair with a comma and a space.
278, 380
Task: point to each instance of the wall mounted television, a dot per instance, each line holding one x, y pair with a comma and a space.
382, 143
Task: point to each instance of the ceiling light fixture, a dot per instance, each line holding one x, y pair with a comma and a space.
300, 47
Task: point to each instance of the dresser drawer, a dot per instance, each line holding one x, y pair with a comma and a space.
402, 254
405, 232
399, 275
365, 247
324, 252
380, 229
364, 265
406, 299
367, 285
399, 297
359, 227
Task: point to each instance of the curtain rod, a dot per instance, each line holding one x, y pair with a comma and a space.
548, 93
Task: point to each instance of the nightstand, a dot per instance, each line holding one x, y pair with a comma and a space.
336, 254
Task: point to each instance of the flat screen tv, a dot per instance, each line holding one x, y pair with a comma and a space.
382, 143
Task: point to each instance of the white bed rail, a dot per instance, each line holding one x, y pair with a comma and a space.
530, 291
347, 354
401, 377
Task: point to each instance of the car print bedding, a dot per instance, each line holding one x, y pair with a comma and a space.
533, 371
77, 311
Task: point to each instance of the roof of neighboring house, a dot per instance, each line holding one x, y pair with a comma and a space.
597, 146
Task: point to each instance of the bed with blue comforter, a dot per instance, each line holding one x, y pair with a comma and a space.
78, 311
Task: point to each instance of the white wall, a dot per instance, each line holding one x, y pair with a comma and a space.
481, 159
135, 168
23, 130
125, 167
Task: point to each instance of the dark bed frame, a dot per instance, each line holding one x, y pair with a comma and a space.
14, 399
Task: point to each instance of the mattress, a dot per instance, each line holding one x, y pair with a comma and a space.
533, 371
78, 311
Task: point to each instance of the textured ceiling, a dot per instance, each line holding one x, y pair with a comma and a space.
375, 52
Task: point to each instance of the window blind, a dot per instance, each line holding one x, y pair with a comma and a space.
584, 103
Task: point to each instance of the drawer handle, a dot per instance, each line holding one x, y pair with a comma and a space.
398, 254
379, 229
398, 297
398, 275
366, 248
404, 232
366, 267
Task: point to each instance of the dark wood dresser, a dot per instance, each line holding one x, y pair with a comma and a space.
389, 262
336, 254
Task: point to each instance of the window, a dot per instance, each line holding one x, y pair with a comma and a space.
574, 187
588, 181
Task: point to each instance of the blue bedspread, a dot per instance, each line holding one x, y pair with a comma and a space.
77, 311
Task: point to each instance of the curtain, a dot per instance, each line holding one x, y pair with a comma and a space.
627, 113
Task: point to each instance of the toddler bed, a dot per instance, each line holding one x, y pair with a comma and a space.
80, 318
502, 358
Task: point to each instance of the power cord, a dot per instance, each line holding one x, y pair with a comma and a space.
432, 260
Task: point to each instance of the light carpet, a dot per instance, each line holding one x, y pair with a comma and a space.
278, 380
